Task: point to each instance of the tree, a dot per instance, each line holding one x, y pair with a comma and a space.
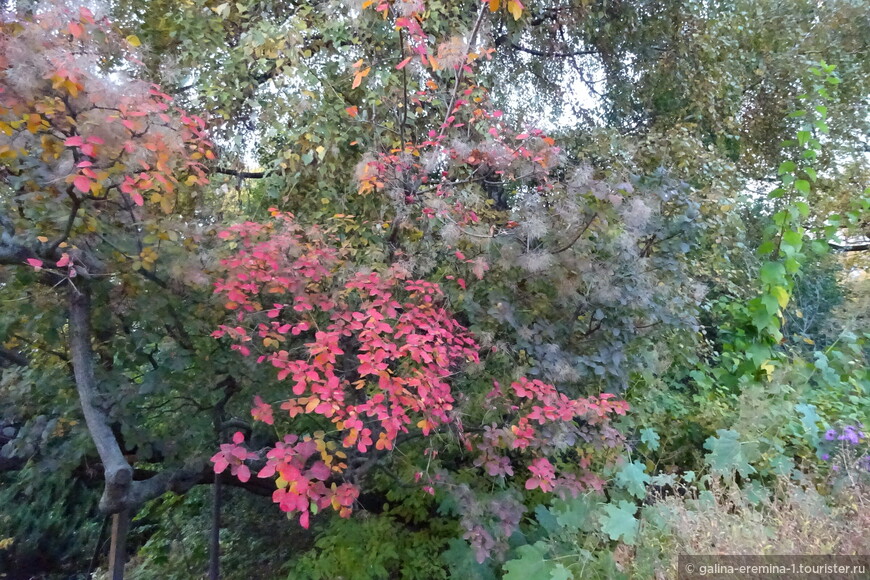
84, 144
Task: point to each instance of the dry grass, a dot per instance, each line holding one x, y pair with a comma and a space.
726, 520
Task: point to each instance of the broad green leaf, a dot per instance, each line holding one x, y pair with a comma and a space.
650, 438
633, 478
728, 454
618, 522
529, 564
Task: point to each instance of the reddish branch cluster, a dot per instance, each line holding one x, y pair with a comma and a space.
99, 134
378, 352
546, 422
380, 348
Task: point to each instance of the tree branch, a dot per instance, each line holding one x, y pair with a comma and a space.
552, 54
13, 357
242, 174
577, 237
117, 472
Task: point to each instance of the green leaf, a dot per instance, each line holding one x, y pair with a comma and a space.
577, 513
650, 438
810, 421
560, 572
530, 564
728, 454
802, 185
786, 167
633, 478
618, 522
772, 273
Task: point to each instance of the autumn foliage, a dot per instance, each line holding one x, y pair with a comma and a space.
377, 354
79, 128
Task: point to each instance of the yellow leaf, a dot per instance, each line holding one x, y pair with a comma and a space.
134, 40
808, 340
515, 8
494, 5
768, 369
781, 295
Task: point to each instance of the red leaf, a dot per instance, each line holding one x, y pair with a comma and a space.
404, 63
82, 183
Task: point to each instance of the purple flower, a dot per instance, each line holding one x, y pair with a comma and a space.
825, 456
850, 435
830, 434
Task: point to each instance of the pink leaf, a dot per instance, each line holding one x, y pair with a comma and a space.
82, 183
64, 260
404, 63
75, 141
35, 263
238, 437
243, 473
220, 463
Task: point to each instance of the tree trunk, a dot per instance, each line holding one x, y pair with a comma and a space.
214, 556
118, 550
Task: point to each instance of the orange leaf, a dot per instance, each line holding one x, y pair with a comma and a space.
352, 111
404, 63
494, 5
76, 29
358, 77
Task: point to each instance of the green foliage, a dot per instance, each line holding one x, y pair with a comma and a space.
728, 454
633, 478
376, 546
619, 523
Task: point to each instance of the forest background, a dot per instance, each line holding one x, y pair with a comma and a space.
543, 289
